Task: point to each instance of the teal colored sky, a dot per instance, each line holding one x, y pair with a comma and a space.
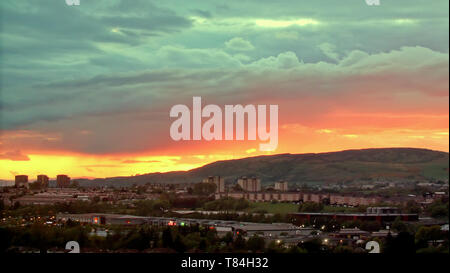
79, 79
47, 40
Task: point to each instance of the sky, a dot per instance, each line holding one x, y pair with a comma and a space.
86, 90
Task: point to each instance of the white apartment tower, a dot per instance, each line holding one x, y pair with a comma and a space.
218, 181
250, 184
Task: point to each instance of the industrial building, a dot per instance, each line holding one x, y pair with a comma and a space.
237, 228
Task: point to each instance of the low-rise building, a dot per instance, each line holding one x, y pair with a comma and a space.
372, 214
246, 229
43, 200
295, 196
281, 186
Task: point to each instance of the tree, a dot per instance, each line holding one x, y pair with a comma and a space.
40, 237
402, 244
16, 205
256, 243
425, 234
141, 189
275, 247
202, 244
35, 186
241, 204
239, 243
412, 207
312, 246
161, 205
310, 207
178, 244
399, 225
296, 250
438, 209
343, 249
227, 204
228, 238
167, 239
204, 188
5, 239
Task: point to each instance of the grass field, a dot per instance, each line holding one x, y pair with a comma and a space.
284, 208
436, 171
272, 208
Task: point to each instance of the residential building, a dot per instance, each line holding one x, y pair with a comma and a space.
21, 180
218, 181
62, 181
250, 184
42, 180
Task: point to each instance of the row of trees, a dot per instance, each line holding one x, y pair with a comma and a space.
149, 238
439, 208
425, 240
227, 204
198, 239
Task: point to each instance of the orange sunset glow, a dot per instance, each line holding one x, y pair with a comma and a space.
89, 95
294, 138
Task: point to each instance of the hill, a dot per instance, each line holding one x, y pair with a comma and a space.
391, 164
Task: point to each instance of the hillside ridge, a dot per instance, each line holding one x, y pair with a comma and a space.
390, 164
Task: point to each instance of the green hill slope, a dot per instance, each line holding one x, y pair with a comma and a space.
391, 164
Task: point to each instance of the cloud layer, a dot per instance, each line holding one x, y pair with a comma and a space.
99, 79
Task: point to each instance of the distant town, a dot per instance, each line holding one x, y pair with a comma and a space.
242, 216
42, 191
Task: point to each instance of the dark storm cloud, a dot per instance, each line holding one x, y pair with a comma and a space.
202, 13
50, 33
115, 67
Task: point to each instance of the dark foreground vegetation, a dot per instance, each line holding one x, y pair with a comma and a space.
43, 238
24, 228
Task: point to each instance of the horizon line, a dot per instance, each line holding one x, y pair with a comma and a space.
335, 151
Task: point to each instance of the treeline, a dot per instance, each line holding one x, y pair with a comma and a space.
224, 204
156, 208
439, 208
73, 207
41, 237
241, 217
166, 205
199, 239
144, 238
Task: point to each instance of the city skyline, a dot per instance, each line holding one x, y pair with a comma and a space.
86, 90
